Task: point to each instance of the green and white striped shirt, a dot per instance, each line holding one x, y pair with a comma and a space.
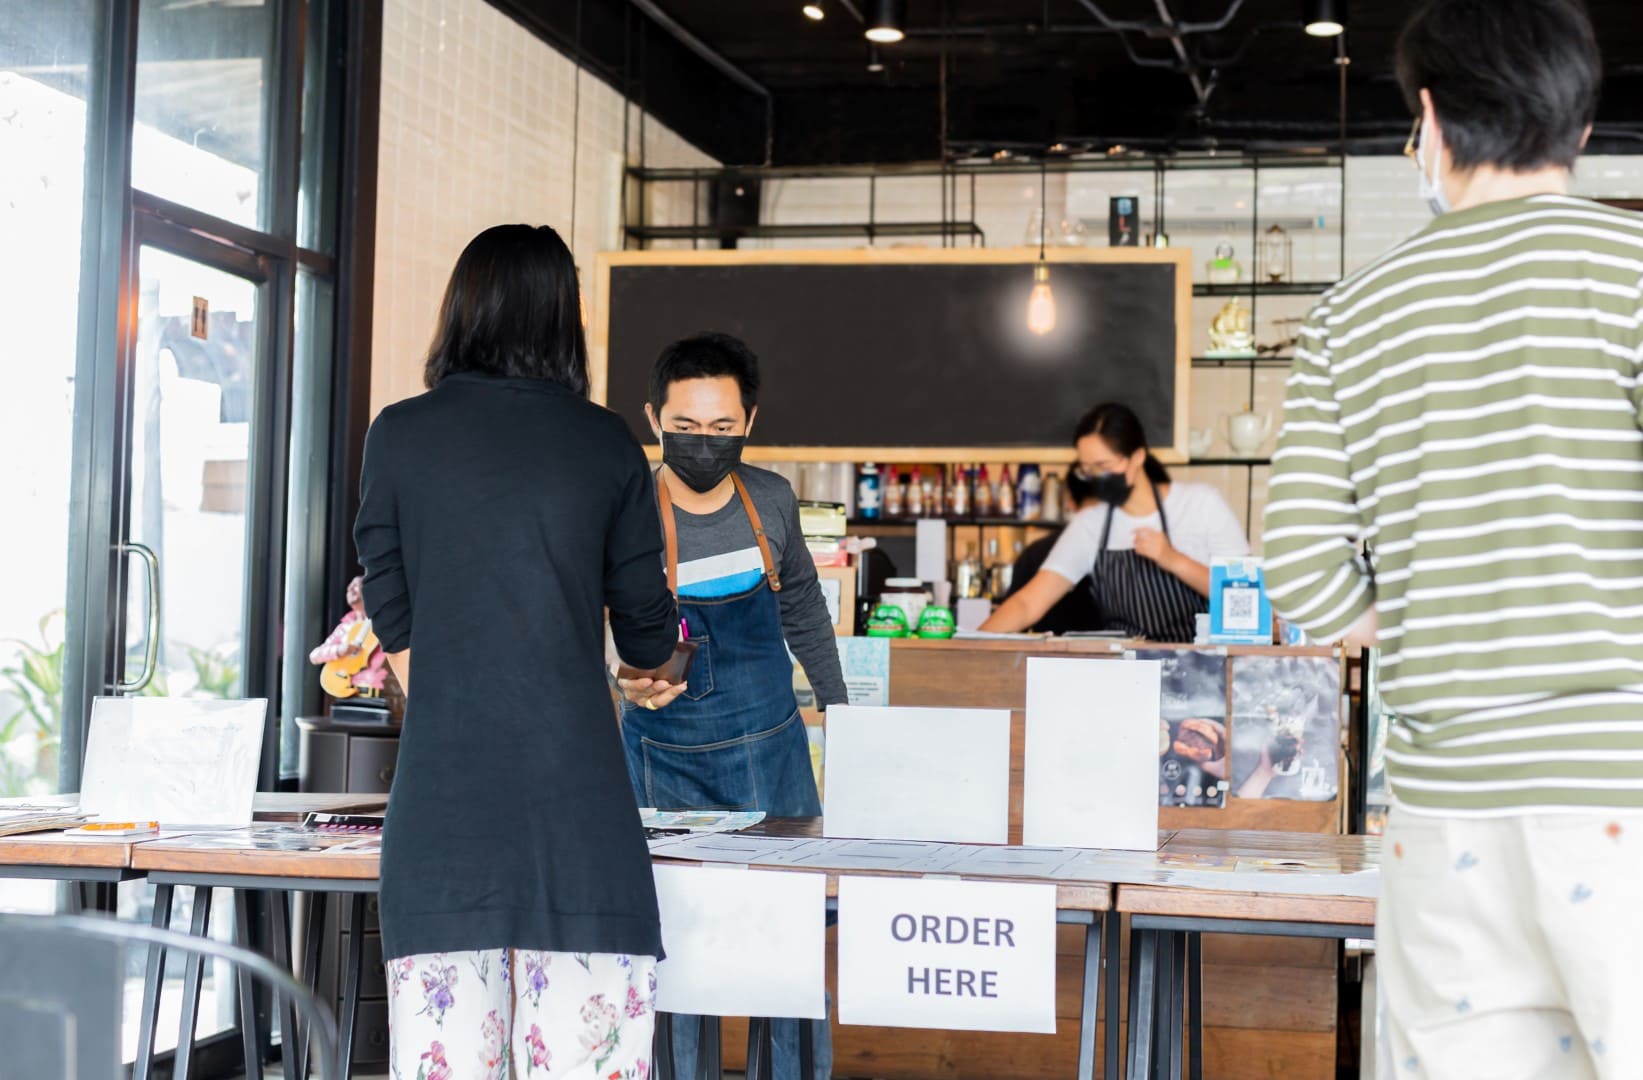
1468, 407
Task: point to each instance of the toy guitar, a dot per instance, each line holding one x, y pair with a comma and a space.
337, 676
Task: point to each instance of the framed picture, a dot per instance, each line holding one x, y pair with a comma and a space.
838, 586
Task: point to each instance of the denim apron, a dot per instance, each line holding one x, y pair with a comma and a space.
1139, 597
733, 741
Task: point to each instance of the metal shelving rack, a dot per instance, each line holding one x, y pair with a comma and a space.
952, 230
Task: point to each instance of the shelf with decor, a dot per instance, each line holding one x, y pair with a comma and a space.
1262, 288
1270, 362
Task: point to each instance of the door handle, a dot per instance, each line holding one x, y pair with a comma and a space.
151, 653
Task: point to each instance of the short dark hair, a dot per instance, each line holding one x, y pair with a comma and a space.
512, 307
1120, 429
707, 355
1514, 82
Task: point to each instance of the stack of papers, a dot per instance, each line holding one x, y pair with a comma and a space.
23, 818
699, 821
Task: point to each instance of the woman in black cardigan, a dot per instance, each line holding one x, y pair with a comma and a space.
501, 514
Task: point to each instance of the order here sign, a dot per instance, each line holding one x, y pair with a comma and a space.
951, 955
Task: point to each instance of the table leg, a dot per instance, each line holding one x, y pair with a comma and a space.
1177, 994
758, 1048
1112, 926
350, 983
709, 1058
247, 990
285, 1007
1143, 995
807, 1047
1164, 968
317, 903
1091, 1000
662, 1047
153, 977
1195, 1002
193, 976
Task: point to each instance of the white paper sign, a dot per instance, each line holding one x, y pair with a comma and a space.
947, 955
1091, 763
178, 761
918, 774
742, 942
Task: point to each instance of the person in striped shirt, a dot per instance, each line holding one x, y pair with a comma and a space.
1466, 409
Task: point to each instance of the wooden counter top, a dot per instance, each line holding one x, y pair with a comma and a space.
1077, 646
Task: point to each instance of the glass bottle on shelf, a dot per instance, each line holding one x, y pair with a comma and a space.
930, 482
915, 494
1006, 494
958, 493
869, 492
895, 504
967, 575
983, 499
1029, 492
1051, 499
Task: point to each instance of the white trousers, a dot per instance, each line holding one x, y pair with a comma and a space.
500, 1014
1510, 947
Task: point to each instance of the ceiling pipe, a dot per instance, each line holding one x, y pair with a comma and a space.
720, 64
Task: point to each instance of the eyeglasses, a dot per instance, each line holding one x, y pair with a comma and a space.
1409, 147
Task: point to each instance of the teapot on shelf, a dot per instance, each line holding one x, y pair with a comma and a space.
1247, 432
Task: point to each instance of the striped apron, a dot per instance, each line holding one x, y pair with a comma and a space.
1137, 596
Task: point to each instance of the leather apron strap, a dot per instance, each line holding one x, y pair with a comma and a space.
670, 533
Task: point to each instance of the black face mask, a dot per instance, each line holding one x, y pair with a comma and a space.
1111, 488
701, 461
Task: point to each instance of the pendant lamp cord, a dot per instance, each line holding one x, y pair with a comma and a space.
576, 128
1043, 205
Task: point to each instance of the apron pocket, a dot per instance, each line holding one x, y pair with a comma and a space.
718, 776
699, 681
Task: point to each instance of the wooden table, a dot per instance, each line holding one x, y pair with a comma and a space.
167, 861
1167, 924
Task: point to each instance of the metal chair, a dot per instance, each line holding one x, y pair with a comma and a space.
62, 988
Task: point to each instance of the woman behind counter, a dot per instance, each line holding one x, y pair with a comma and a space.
1145, 546
500, 513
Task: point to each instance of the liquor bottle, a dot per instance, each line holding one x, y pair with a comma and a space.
895, 496
958, 493
869, 492
1006, 494
983, 500
915, 495
967, 575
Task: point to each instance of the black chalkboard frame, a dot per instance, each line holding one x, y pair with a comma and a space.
1179, 258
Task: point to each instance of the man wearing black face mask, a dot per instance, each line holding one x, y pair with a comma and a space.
731, 737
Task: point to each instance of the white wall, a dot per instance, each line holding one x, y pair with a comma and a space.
476, 130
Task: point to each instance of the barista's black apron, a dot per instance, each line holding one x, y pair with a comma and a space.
1139, 597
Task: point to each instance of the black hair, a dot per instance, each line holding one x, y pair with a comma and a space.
1514, 82
513, 307
1121, 430
707, 355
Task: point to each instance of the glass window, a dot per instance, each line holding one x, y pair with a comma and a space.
205, 77
44, 50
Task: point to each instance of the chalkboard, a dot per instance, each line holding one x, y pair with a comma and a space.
903, 355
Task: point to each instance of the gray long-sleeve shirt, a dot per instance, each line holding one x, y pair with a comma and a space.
718, 556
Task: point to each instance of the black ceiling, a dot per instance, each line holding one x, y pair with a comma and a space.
1022, 74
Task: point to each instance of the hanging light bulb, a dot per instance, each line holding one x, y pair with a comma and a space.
1041, 304
814, 11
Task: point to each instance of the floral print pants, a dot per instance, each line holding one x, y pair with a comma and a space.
506, 1013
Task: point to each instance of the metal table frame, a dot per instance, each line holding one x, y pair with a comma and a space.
295, 1036
1166, 984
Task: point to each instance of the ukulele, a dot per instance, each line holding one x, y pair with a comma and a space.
337, 676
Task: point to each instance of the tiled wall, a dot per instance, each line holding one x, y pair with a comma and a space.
477, 118
1202, 208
